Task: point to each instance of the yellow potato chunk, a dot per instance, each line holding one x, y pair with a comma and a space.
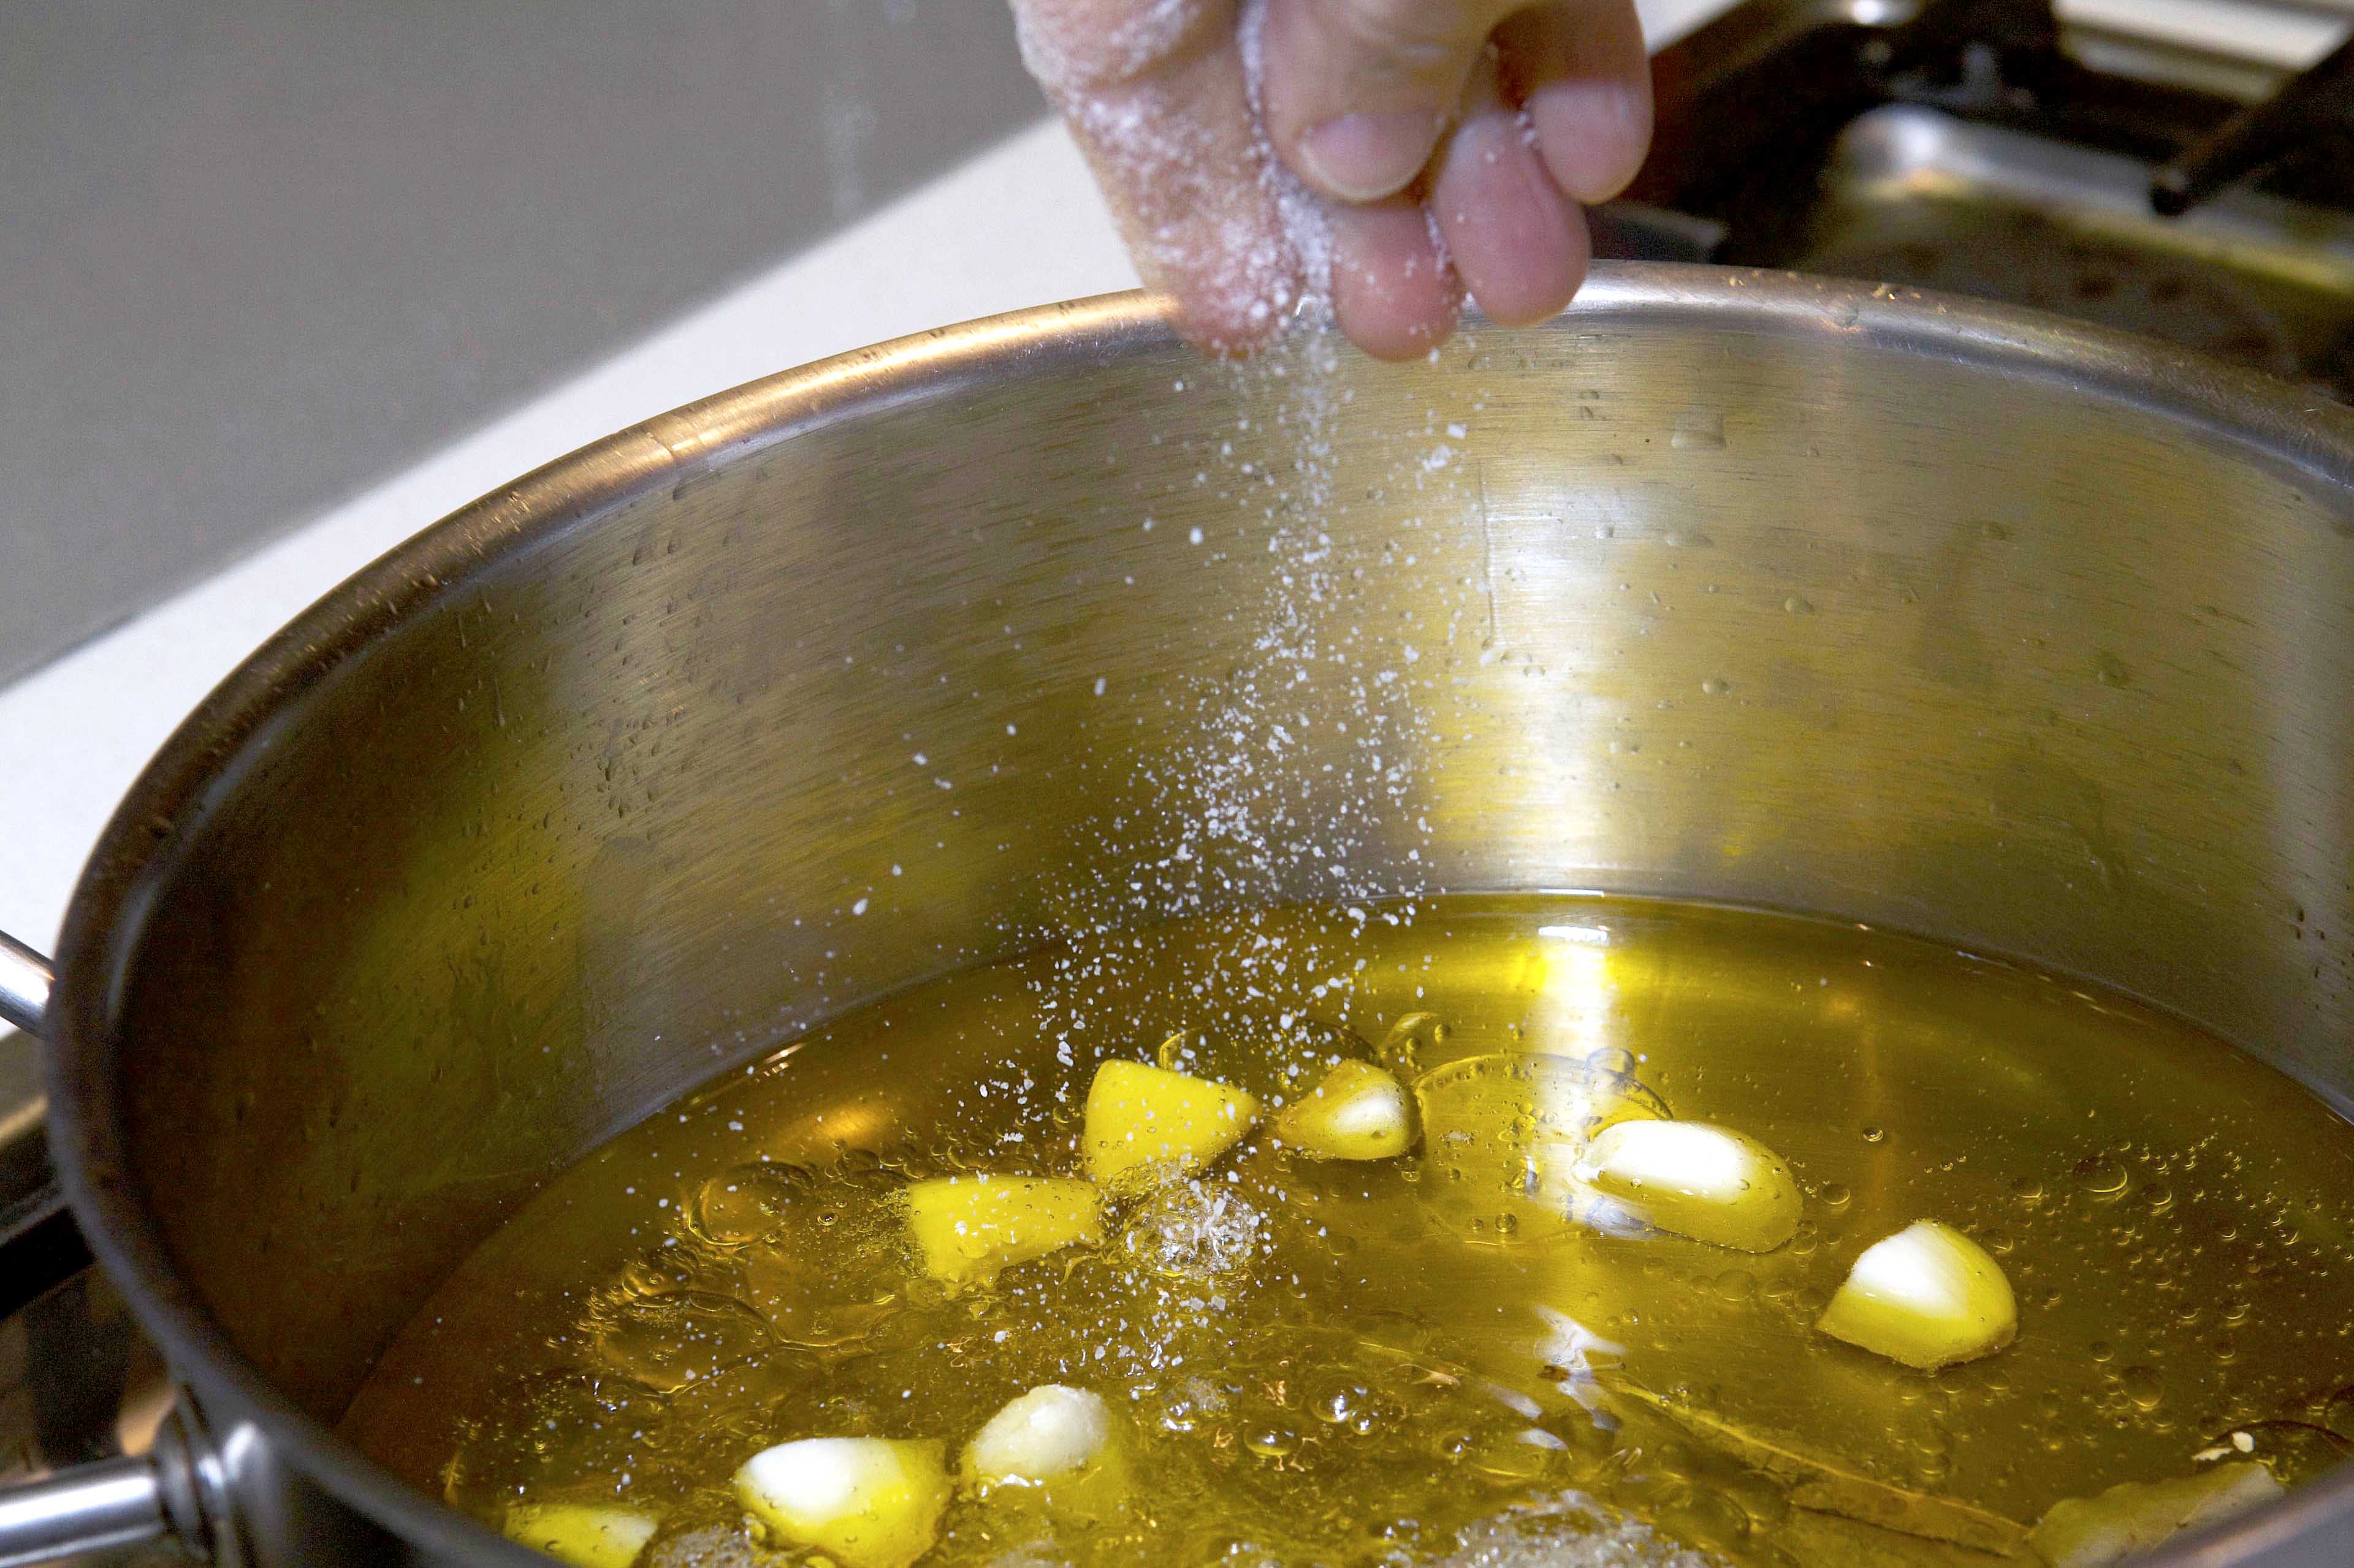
1710, 1184
1358, 1112
1139, 1116
866, 1502
587, 1535
1048, 1432
1927, 1296
966, 1228
2125, 1519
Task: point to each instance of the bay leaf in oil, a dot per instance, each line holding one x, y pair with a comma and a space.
1817, 1540
1816, 1482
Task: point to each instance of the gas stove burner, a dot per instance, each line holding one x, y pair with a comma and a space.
1913, 195
1987, 148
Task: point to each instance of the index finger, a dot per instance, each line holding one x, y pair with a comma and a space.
1155, 94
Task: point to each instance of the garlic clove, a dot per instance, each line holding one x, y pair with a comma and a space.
1710, 1184
866, 1502
1927, 1296
1358, 1112
1048, 1432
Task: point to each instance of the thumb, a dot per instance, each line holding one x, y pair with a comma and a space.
1358, 91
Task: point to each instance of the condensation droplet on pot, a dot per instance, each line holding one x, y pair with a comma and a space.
1697, 429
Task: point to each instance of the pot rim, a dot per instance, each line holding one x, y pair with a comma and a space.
2290, 425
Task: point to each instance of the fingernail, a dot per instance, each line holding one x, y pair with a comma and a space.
1594, 135
1364, 157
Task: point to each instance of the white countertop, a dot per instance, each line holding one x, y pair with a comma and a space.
1018, 226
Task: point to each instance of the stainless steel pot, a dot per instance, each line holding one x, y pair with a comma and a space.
1747, 586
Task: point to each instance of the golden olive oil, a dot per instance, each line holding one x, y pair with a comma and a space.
1443, 1355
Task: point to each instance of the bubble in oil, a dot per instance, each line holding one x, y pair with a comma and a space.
1272, 1442
745, 1204
1510, 1459
1406, 1046
1613, 1060
2102, 1176
1341, 1403
668, 1340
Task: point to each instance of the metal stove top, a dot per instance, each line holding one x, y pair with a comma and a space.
1997, 149
1986, 147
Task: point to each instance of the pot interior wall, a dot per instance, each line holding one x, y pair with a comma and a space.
1797, 607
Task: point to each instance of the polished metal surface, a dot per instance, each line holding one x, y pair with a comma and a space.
100, 1507
1728, 584
164, 1499
1976, 147
29, 1192
25, 980
1913, 195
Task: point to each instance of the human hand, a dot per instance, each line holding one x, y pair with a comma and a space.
1391, 152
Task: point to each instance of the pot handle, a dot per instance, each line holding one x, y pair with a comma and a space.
175, 1492
25, 980
29, 1201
